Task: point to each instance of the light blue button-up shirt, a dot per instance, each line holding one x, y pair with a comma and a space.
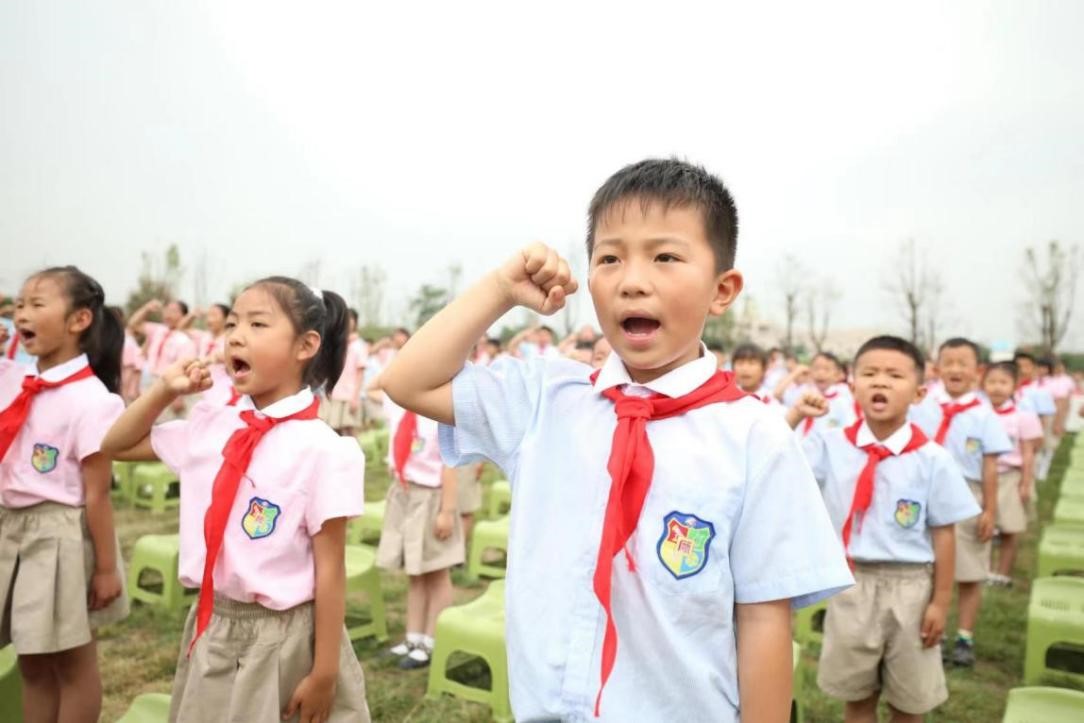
973, 433
733, 516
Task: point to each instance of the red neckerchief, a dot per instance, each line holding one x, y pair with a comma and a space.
949, 410
631, 466
14, 415
402, 444
236, 456
863, 489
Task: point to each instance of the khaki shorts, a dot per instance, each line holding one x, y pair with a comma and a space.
872, 640
972, 556
337, 414
407, 541
46, 564
248, 662
1012, 515
468, 488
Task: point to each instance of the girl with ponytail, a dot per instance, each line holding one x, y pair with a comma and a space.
266, 491
60, 566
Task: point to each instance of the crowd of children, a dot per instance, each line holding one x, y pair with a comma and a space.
688, 500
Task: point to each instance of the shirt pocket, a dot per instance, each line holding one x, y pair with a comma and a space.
683, 554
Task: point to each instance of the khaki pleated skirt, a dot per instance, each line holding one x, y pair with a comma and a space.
248, 662
407, 541
46, 565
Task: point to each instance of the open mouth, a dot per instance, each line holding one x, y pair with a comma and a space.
640, 328
25, 336
878, 402
239, 369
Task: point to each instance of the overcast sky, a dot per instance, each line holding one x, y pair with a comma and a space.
413, 136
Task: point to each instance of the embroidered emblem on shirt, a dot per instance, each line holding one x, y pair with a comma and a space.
260, 519
417, 445
907, 513
683, 547
44, 458
973, 445
833, 423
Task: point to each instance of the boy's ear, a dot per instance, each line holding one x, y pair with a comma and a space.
920, 393
728, 286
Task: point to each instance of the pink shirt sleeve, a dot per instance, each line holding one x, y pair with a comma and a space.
94, 422
171, 440
1030, 426
337, 486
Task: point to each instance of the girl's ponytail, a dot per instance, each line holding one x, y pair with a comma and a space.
103, 340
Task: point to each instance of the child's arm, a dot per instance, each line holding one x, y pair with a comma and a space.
105, 585
764, 660
315, 694
1027, 470
129, 437
448, 502
420, 376
989, 497
785, 382
135, 321
944, 566
811, 404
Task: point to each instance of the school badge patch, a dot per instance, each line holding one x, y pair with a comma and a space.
260, 519
683, 547
417, 445
44, 458
907, 513
973, 445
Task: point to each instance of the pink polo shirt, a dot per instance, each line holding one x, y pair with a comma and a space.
65, 426
166, 346
424, 466
1021, 425
348, 388
221, 385
302, 474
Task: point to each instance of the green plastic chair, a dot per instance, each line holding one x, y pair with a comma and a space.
797, 714
500, 499
369, 445
366, 527
1044, 705
476, 628
11, 687
487, 535
809, 623
147, 708
363, 576
1069, 510
123, 472
1061, 551
151, 484
159, 553
383, 440
1055, 618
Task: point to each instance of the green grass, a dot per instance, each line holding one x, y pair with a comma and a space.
139, 655
978, 695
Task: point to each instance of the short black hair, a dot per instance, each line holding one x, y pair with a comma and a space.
1022, 354
353, 314
959, 342
832, 358
887, 342
750, 351
182, 306
1046, 361
673, 183
1006, 366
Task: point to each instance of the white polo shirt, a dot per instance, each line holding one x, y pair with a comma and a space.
732, 472
973, 434
911, 493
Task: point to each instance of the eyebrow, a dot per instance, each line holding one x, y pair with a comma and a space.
257, 312
651, 243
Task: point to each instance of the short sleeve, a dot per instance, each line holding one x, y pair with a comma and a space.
1030, 426
152, 329
338, 485
170, 440
93, 424
783, 545
950, 498
494, 407
814, 450
995, 440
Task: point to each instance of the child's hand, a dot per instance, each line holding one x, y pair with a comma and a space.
812, 404
933, 625
986, 525
537, 278
105, 587
154, 305
312, 698
442, 528
187, 376
1025, 491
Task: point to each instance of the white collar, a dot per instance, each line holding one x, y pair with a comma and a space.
675, 383
60, 371
895, 442
288, 405
942, 397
